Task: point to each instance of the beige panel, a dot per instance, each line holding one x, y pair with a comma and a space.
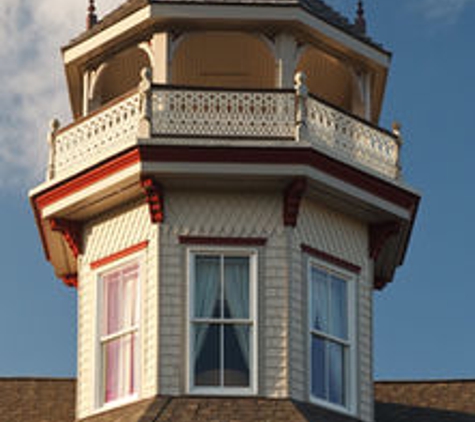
223, 59
120, 75
327, 77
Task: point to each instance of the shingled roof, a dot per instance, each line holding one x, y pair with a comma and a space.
317, 8
425, 401
53, 400
37, 400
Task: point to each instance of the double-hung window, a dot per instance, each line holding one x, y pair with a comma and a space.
222, 321
119, 332
331, 335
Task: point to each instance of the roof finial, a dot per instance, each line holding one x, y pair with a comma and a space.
360, 21
91, 19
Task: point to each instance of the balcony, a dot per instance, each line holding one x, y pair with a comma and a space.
160, 114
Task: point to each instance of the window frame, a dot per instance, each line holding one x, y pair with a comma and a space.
222, 251
350, 370
99, 273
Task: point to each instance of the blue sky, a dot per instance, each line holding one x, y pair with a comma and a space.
423, 320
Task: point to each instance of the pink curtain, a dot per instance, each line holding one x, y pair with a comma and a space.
120, 321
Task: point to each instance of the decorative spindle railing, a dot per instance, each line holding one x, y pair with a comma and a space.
163, 113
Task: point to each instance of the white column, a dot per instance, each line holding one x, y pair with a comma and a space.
162, 54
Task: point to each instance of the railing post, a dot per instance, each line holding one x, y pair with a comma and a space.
301, 95
396, 127
54, 126
145, 92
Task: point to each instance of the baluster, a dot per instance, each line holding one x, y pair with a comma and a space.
396, 127
301, 94
54, 126
145, 90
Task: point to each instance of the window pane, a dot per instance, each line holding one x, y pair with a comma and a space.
318, 368
119, 357
207, 359
337, 371
120, 299
338, 317
236, 355
319, 300
236, 287
207, 287
112, 320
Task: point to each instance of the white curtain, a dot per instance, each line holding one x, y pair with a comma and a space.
338, 306
207, 292
319, 300
236, 294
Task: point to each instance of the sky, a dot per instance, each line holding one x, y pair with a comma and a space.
423, 321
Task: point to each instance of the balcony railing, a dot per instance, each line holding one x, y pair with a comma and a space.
227, 116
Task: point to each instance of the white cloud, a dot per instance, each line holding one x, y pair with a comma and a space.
32, 88
442, 10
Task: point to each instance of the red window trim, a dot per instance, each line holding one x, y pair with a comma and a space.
332, 259
223, 241
118, 255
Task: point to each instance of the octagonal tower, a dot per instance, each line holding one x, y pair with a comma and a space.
225, 203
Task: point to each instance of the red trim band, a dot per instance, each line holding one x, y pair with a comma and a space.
118, 255
332, 259
223, 241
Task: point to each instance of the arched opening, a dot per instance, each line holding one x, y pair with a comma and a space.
327, 78
223, 59
118, 75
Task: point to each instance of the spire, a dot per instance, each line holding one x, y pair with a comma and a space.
91, 19
360, 21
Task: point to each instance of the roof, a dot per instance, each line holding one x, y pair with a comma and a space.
425, 401
53, 400
317, 8
37, 400
222, 409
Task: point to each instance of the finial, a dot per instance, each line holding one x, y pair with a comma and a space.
91, 19
360, 21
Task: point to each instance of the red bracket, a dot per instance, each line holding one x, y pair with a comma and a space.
71, 232
292, 198
379, 235
70, 280
154, 196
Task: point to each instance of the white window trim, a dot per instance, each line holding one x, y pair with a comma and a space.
99, 404
351, 374
252, 253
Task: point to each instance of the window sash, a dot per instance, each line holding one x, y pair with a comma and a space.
119, 332
334, 385
239, 318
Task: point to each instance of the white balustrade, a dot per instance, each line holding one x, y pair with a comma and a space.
223, 114
350, 138
216, 113
97, 137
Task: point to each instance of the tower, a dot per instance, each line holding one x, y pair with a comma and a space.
225, 202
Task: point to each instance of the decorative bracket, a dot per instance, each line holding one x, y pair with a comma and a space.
154, 196
292, 198
71, 231
379, 234
70, 280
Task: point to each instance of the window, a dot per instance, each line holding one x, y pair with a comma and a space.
222, 321
331, 336
119, 330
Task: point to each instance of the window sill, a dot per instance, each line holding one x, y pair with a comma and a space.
106, 407
347, 411
220, 392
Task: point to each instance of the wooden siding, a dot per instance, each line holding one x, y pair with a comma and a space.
103, 237
347, 239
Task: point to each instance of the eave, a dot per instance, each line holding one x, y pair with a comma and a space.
119, 178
